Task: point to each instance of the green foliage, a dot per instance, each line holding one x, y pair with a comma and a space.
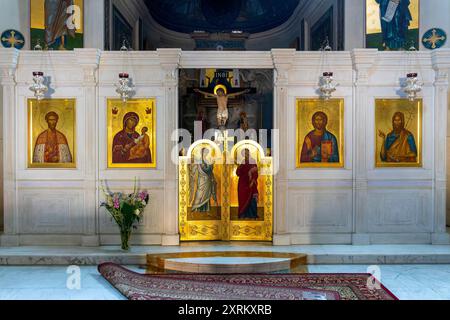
125, 209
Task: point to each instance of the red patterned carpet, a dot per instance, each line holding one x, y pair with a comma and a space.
136, 286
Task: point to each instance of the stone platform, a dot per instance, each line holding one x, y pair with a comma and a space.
315, 254
226, 262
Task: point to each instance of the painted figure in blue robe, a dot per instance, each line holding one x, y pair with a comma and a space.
395, 31
399, 145
320, 145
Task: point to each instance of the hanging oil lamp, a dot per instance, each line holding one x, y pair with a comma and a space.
412, 86
38, 87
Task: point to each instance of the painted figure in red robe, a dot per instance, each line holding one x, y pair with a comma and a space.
51, 145
126, 139
248, 187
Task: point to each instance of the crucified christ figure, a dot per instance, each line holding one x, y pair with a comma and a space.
222, 103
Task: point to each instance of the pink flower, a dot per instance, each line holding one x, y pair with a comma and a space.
143, 195
116, 203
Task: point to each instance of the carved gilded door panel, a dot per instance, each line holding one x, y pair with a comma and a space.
210, 205
201, 203
251, 193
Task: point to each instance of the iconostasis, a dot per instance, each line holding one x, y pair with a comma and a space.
365, 164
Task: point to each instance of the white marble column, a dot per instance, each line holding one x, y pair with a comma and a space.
94, 24
8, 64
441, 65
363, 60
89, 60
169, 59
282, 59
354, 24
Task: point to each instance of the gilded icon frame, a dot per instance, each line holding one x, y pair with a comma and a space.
66, 110
115, 122
305, 109
384, 112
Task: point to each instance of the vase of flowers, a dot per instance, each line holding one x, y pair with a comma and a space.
126, 210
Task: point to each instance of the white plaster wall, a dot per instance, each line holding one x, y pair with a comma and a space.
448, 164
1, 159
319, 201
434, 14
355, 21
361, 204
94, 24
62, 206
152, 226
357, 204
16, 15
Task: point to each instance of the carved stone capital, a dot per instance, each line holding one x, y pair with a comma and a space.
89, 60
8, 65
363, 61
170, 62
282, 61
441, 65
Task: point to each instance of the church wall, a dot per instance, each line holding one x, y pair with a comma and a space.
357, 204
16, 16
61, 206
55, 202
147, 75
1, 158
312, 192
354, 24
434, 14
448, 163
362, 204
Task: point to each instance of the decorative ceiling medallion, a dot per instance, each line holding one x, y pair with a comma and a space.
434, 38
12, 39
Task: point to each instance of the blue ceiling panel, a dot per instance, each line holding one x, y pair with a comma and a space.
250, 16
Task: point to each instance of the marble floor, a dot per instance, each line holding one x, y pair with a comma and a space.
407, 282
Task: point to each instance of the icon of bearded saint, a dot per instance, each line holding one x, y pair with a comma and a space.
399, 145
320, 145
51, 145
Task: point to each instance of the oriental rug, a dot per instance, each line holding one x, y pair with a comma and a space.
136, 286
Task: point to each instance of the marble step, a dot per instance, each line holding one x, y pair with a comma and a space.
316, 255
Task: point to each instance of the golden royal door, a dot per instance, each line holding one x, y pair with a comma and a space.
209, 206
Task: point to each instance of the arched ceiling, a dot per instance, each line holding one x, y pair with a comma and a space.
252, 16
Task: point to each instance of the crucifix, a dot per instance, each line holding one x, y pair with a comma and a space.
220, 93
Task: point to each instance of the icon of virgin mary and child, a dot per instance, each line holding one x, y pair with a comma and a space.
128, 145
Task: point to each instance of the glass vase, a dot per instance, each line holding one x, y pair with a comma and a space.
125, 239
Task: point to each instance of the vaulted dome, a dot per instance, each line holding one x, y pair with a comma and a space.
250, 16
